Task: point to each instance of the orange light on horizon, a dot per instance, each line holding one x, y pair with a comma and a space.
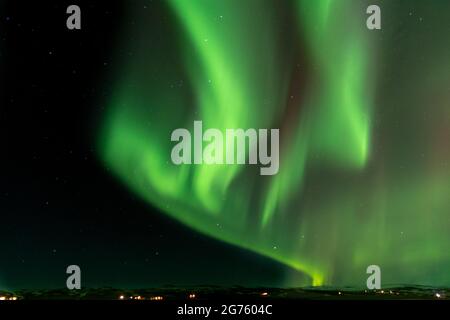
156, 298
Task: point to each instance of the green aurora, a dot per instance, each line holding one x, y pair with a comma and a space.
364, 120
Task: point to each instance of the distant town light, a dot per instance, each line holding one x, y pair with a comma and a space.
156, 298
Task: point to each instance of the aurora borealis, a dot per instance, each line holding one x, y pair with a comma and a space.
364, 120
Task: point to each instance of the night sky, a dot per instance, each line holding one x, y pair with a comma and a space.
59, 205
86, 118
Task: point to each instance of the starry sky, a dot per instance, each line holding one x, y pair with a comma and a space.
59, 204
86, 118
